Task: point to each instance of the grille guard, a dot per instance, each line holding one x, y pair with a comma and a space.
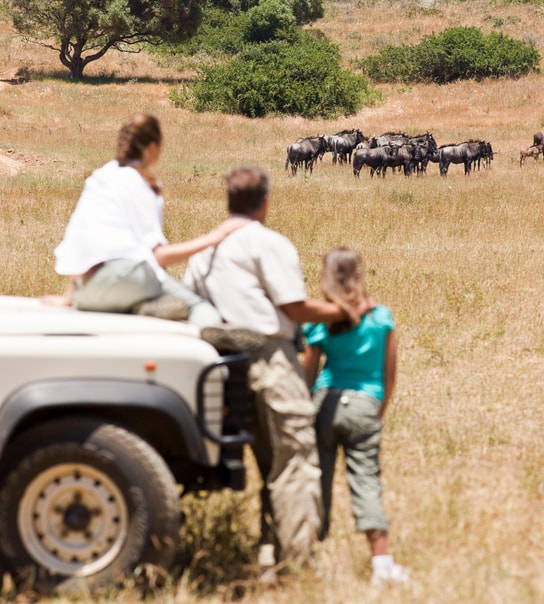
236, 400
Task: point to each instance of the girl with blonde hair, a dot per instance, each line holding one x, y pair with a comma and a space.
351, 394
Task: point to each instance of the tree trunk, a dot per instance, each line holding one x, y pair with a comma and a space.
70, 57
76, 69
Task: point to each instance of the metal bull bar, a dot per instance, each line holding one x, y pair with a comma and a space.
237, 401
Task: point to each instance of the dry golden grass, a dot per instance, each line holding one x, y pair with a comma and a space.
459, 260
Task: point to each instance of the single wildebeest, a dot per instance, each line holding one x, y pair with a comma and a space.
486, 156
304, 152
462, 153
343, 143
538, 138
373, 158
304, 163
532, 151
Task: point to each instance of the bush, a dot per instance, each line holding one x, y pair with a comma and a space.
269, 19
511, 58
280, 77
456, 54
307, 11
393, 64
221, 33
228, 26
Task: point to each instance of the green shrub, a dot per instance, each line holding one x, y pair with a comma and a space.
221, 33
511, 58
456, 54
269, 19
280, 77
393, 64
307, 11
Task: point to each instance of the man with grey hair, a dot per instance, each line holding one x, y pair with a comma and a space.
255, 281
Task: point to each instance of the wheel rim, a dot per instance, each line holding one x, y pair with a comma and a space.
73, 520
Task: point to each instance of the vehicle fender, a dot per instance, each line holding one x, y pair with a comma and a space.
146, 407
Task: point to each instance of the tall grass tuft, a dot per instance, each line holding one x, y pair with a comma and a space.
218, 551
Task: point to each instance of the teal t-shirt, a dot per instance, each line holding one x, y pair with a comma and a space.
355, 358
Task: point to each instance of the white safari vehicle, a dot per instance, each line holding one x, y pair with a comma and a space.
105, 421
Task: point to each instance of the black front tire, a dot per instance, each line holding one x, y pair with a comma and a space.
85, 503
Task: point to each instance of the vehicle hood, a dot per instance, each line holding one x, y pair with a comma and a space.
30, 316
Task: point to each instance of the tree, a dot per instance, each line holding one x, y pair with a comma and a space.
82, 31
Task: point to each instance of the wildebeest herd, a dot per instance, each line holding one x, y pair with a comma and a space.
389, 150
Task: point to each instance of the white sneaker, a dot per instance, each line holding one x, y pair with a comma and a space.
267, 564
386, 571
266, 558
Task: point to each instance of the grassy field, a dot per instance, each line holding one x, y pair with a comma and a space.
459, 260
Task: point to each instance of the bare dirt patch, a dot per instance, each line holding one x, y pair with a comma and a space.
12, 162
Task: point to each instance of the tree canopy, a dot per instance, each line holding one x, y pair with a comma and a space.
82, 31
